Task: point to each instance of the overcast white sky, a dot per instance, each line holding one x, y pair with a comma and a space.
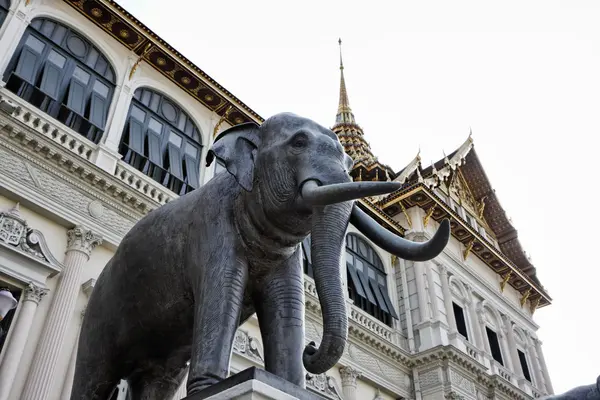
525, 75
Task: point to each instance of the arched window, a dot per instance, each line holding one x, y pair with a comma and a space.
4, 7
162, 141
367, 280
63, 74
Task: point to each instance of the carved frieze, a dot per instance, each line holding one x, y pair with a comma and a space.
323, 384
247, 345
429, 379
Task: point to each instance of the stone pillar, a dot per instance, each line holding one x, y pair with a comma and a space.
182, 391
536, 367
421, 293
429, 271
32, 295
452, 332
540, 353
68, 383
41, 376
407, 309
512, 347
479, 339
506, 355
349, 376
12, 30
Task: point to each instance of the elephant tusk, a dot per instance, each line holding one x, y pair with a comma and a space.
406, 249
315, 195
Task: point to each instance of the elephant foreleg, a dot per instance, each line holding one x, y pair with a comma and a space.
280, 309
218, 306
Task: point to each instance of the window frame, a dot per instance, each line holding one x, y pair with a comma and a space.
46, 77
494, 351
161, 153
465, 323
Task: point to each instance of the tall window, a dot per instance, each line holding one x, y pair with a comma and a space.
6, 322
524, 365
161, 140
494, 345
4, 7
461, 322
60, 72
367, 280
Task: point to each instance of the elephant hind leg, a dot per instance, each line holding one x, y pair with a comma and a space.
158, 382
97, 383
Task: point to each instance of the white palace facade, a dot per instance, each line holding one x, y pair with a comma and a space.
101, 121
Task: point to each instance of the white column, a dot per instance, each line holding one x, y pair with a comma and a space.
41, 376
429, 271
407, 309
537, 369
448, 304
182, 391
349, 376
421, 293
540, 353
15, 24
479, 339
512, 347
506, 354
68, 383
32, 295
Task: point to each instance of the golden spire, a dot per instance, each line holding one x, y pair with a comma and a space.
344, 114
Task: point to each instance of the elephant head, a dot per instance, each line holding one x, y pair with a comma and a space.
296, 173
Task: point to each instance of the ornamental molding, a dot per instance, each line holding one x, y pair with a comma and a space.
31, 130
248, 347
16, 233
349, 376
57, 193
323, 384
82, 240
34, 293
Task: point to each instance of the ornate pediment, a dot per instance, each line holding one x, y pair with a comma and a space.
15, 232
323, 384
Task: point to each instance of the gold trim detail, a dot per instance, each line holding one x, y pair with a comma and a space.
505, 280
468, 249
428, 216
534, 305
525, 297
221, 120
139, 60
408, 220
394, 259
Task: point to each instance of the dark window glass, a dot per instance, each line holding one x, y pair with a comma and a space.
7, 321
367, 281
60, 72
154, 142
461, 323
494, 345
524, 365
306, 257
4, 6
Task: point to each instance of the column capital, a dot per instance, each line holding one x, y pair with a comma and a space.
34, 293
349, 376
83, 240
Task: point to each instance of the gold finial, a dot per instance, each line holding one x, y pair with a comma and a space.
341, 62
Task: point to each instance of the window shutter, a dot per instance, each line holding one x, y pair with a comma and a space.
136, 136
355, 280
192, 168
154, 153
388, 301
27, 65
175, 167
378, 296
97, 110
365, 284
51, 78
76, 97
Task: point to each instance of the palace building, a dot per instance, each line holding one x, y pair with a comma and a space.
102, 121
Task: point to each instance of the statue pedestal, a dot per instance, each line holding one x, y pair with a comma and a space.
254, 384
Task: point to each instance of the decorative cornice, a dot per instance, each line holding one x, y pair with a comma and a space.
83, 240
34, 293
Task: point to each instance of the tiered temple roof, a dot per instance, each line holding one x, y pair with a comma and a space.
366, 166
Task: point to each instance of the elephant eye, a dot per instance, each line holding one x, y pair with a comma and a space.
299, 141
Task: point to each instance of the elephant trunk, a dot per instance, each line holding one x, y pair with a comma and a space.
328, 230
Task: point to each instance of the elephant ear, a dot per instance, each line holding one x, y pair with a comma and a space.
237, 148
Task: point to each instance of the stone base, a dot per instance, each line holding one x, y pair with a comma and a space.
254, 384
